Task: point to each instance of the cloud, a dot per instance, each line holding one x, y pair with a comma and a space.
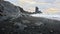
32, 2
13, 1
27, 1
52, 10
47, 6
29, 5
31, 9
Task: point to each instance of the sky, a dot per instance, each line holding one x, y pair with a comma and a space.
46, 6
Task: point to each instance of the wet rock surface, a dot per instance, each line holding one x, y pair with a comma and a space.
14, 21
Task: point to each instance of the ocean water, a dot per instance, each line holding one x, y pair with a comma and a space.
54, 17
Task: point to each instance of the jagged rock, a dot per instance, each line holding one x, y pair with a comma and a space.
37, 10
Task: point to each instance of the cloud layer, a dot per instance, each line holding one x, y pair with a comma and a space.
46, 6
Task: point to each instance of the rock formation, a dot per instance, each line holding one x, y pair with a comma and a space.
37, 10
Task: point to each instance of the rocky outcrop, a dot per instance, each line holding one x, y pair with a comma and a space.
8, 10
37, 10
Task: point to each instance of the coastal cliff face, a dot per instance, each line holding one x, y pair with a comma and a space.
8, 10
15, 20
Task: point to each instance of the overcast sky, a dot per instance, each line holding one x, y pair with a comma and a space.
46, 6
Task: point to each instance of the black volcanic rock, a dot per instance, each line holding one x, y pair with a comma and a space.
8, 10
24, 12
37, 10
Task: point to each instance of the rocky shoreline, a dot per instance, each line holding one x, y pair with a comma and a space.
14, 20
